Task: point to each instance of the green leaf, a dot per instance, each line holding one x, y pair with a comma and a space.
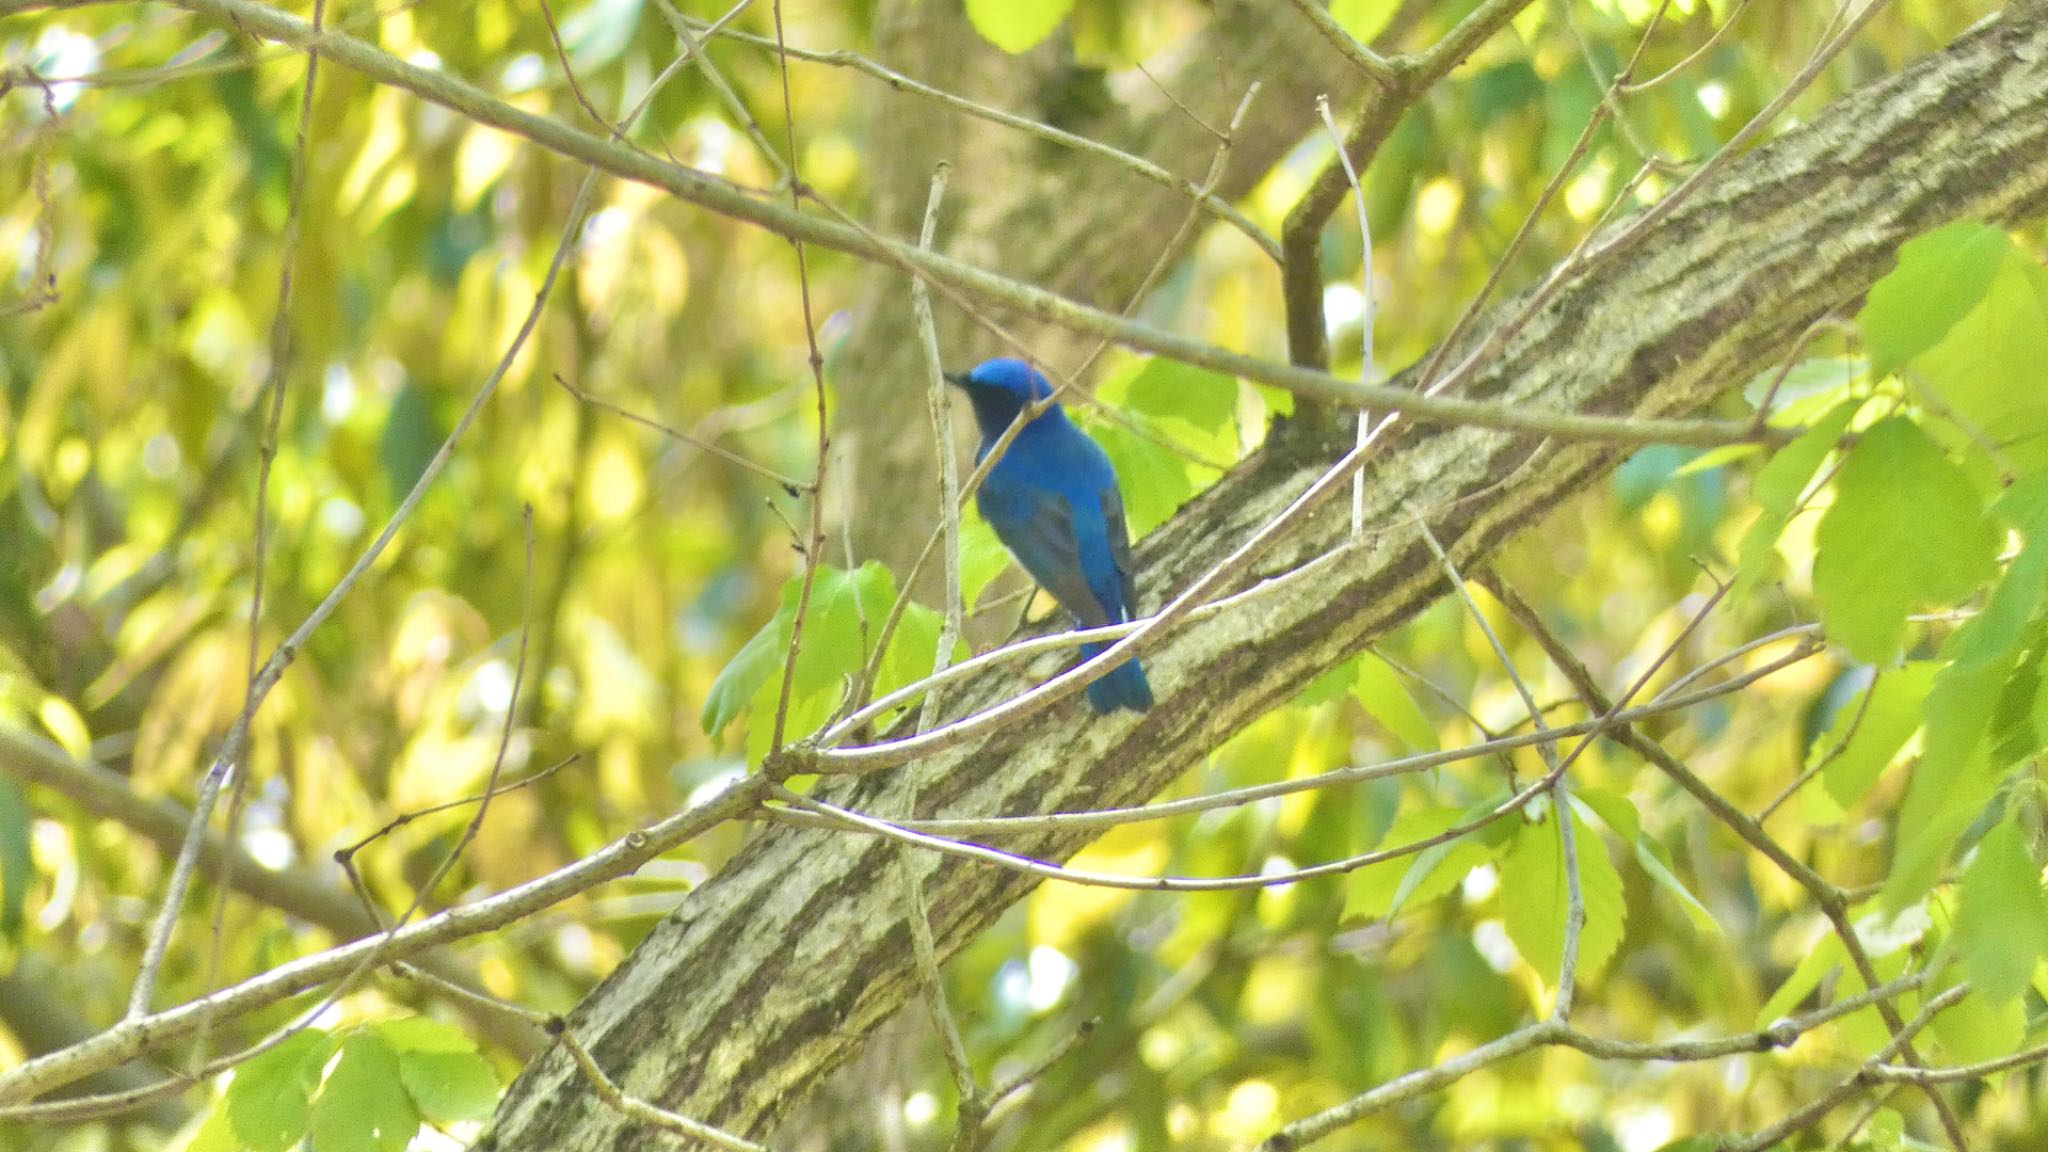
439, 1064
423, 1034
17, 862
1957, 775
2002, 917
449, 1086
1875, 727
214, 1134
1167, 389
364, 1106
1535, 897
1364, 19
1335, 684
1387, 700
982, 557
1978, 1027
1650, 855
1377, 891
1906, 528
1017, 25
1940, 276
750, 667
1615, 810
1155, 479
1804, 385
268, 1101
1780, 483
1824, 957
1991, 369
845, 608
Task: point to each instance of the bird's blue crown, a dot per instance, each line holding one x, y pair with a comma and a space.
1006, 374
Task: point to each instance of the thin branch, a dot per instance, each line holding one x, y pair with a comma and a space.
1209, 202
1375, 66
144, 988
725, 198
815, 546
132, 1038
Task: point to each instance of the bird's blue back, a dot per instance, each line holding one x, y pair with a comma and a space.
1053, 500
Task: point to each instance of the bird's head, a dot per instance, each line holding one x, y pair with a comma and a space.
999, 389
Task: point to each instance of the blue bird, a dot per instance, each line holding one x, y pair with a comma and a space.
1053, 501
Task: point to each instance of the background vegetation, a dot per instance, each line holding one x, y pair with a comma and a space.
232, 342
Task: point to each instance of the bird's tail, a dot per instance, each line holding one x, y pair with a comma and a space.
1124, 687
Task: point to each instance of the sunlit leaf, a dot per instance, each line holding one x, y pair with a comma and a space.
1535, 898
364, 1105
1978, 1028
2001, 926
269, 1100
1017, 25
1957, 776
1364, 19
1168, 389
1778, 486
750, 667
1386, 697
1867, 734
1940, 276
1815, 963
1990, 369
1906, 528
1379, 890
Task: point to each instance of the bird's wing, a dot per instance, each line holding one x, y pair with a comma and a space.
1120, 551
1037, 525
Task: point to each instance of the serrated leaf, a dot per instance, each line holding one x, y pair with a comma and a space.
1906, 529
1940, 277
1957, 775
448, 1087
423, 1034
1017, 25
1615, 810
364, 1105
1778, 486
1379, 890
269, 1100
2001, 928
1535, 898
741, 678
1991, 371
1387, 700
845, 607
1874, 727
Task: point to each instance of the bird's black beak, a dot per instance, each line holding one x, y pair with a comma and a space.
956, 379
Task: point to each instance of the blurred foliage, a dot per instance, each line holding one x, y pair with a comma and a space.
152, 175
